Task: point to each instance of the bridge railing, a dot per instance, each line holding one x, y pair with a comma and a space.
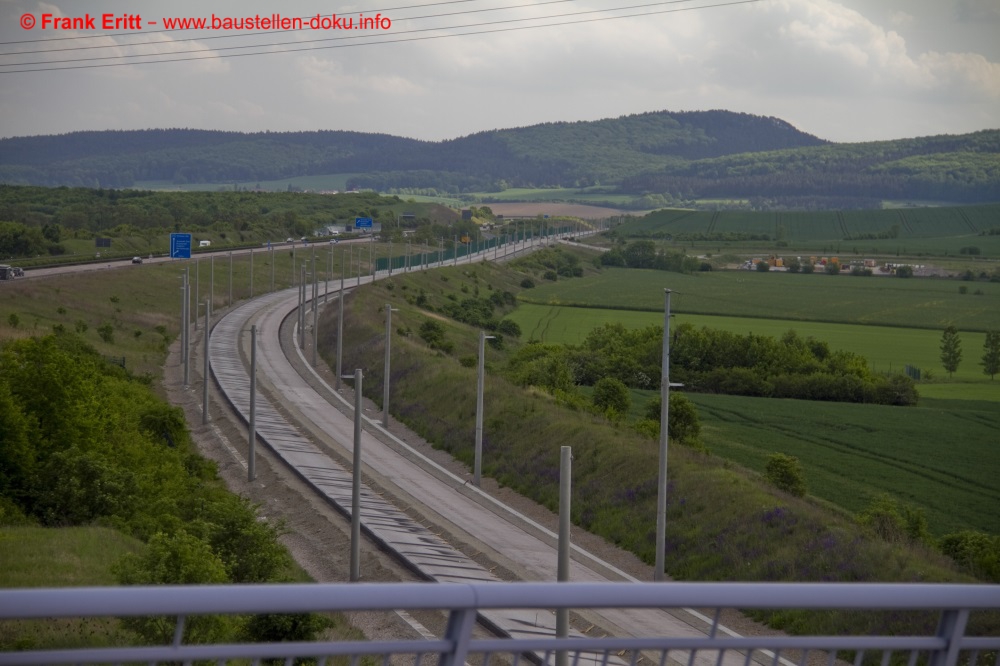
947, 644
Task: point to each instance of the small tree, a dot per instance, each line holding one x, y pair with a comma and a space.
951, 350
991, 354
612, 396
763, 267
683, 420
785, 472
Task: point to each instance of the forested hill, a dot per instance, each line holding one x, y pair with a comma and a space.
663, 156
548, 154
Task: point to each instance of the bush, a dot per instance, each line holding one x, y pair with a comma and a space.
894, 522
785, 473
432, 332
682, 417
509, 327
612, 397
469, 361
977, 551
107, 333
550, 275
763, 267
527, 283
808, 268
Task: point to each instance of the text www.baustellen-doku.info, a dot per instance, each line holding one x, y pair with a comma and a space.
52, 23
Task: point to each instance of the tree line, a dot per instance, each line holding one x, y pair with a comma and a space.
713, 361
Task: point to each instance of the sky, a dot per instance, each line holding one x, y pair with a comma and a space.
843, 70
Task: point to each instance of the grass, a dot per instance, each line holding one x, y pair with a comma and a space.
141, 304
852, 453
66, 557
885, 301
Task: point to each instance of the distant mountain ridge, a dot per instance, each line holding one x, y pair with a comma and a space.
678, 155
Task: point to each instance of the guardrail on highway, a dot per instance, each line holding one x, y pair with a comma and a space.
946, 644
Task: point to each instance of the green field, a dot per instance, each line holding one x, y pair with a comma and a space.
852, 453
912, 303
947, 231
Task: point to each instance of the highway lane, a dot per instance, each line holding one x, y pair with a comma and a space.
147, 259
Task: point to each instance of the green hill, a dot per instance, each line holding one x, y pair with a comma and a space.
763, 162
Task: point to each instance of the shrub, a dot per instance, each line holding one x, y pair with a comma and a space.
527, 283
550, 275
763, 267
785, 473
977, 551
432, 332
468, 361
509, 327
612, 397
107, 333
894, 522
684, 422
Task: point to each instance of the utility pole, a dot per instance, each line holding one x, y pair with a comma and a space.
315, 309
252, 433
385, 382
340, 324
185, 315
480, 381
661, 499
230, 278
205, 368
251, 272
562, 567
211, 281
356, 483
197, 291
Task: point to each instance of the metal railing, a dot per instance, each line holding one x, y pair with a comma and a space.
946, 645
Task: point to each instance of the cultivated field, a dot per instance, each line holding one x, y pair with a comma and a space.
877, 300
553, 209
898, 234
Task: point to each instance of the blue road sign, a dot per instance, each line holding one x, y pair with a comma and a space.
362, 223
180, 246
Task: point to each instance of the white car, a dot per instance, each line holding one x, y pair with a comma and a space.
136, 260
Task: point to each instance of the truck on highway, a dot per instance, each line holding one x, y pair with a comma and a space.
10, 272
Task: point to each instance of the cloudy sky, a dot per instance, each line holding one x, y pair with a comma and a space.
845, 70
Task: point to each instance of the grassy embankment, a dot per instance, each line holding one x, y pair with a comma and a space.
723, 522
138, 307
65, 557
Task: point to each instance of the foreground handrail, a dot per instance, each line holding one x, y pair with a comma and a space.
462, 602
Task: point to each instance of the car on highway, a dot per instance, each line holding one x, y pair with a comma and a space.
136, 260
